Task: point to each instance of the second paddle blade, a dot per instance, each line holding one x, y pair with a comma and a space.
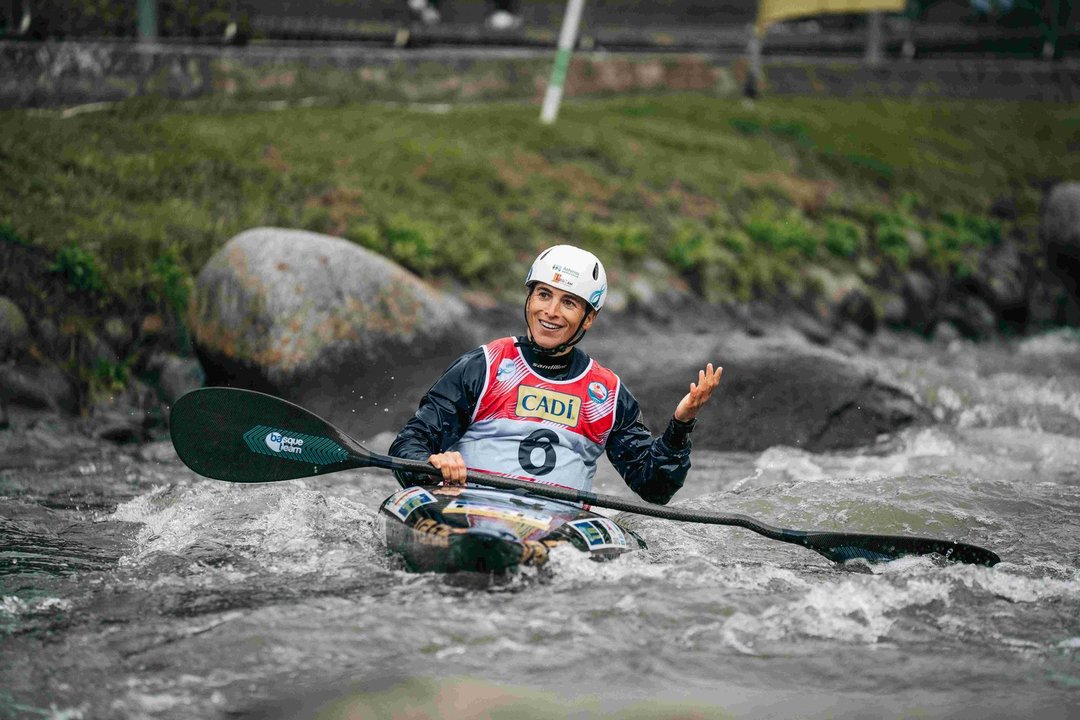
841, 547
249, 437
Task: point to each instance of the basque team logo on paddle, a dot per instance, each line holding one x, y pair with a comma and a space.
279, 443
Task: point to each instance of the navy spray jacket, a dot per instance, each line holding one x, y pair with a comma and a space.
655, 469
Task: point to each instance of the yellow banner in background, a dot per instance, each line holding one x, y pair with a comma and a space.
771, 11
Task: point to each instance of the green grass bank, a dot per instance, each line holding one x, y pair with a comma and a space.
122, 207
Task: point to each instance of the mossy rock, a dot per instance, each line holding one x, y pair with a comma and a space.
314, 317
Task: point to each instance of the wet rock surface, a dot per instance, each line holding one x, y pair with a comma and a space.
1060, 235
778, 389
786, 382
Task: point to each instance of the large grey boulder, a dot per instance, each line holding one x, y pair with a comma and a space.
778, 392
321, 321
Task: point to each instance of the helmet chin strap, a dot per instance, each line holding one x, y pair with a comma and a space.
560, 348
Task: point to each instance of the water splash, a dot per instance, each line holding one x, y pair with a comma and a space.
283, 528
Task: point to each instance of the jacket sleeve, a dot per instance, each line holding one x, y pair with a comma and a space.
442, 416
655, 469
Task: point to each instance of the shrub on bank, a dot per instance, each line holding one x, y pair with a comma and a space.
740, 203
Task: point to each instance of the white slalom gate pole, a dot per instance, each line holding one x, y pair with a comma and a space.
567, 36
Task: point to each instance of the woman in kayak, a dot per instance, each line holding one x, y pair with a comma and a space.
538, 408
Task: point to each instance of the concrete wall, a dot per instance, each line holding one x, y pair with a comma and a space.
64, 74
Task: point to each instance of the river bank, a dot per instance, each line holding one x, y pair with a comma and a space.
851, 216
657, 359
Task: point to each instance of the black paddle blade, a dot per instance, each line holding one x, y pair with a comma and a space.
840, 547
249, 437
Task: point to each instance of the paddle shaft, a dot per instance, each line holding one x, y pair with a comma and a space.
245, 436
610, 502
837, 546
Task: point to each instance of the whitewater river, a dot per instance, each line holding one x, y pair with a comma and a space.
132, 588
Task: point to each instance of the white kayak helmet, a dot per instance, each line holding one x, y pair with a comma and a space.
572, 270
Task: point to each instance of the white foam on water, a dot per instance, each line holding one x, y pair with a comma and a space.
948, 400
58, 713
860, 610
686, 556
929, 443
138, 703
906, 565
969, 397
1051, 568
1006, 581
759, 578
1053, 393
787, 463
285, 527
14, 606
570, 565
1065, 341
1018, 400
919, 448
796, 464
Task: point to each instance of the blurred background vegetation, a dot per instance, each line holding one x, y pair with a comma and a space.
111, 214
735, 202
1021, 27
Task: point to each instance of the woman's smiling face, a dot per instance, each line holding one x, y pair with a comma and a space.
554, 315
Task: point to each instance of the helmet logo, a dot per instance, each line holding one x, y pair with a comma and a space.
562, 269
595, 298
557, 278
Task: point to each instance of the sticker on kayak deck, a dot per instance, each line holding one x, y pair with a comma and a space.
403, 502
519, 517
600, 533
290, 445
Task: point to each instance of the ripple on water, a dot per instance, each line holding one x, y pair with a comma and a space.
699, 594
766, 604
14, 608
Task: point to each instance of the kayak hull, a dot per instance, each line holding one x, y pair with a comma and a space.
441, 529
